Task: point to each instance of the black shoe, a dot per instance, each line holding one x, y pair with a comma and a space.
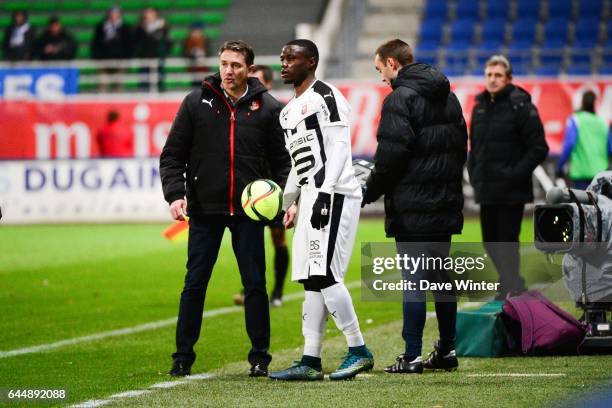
180, 369
403, 366
259, 369
437, 361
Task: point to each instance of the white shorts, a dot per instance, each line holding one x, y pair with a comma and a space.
314, 251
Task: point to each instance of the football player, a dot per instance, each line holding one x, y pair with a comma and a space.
322, 200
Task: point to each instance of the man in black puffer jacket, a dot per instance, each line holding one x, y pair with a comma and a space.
224, 136
507, 144
422, 147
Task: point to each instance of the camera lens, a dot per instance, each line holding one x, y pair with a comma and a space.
554, 225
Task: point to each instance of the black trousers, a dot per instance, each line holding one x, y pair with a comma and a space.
502, 224
414, 307
205, 235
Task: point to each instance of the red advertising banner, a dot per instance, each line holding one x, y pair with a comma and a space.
68, 129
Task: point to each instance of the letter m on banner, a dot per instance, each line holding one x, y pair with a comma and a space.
60, 141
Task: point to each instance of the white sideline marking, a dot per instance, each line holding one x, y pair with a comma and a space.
518, 375
140, 328
136, 393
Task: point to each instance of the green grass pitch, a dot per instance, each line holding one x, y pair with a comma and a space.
68, 281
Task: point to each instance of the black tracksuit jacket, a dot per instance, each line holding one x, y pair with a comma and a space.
422, 147
507, 143
215, 149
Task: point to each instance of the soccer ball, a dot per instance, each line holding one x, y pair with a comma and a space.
262, 200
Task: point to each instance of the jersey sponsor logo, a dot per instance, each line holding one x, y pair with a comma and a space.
300, 140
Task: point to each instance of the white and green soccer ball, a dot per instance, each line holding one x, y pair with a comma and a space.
262, 200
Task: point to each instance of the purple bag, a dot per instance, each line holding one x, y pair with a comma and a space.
537, 326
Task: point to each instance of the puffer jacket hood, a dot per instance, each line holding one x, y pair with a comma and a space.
425, 80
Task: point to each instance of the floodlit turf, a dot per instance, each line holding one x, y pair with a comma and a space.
62, 282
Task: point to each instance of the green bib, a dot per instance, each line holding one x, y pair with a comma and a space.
590, 154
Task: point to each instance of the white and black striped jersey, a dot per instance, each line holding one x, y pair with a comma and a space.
318, 138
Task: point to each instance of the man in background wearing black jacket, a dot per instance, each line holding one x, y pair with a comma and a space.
224, 136
422, 147
507, 144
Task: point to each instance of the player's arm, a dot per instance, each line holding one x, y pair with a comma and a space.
292, 190
531, 133
395, 137
173, 161
570, 137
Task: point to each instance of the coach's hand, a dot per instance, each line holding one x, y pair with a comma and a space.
289, 218
320, 211
178, 209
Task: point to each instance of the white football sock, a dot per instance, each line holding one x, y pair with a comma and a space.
314, 318
340, 306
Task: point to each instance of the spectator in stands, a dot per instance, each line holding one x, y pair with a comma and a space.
151, 41
112, 37
151, 36
195, 45
18, 38
586, 144
507, 144
114, 139
195, 48
112, 40
55, 43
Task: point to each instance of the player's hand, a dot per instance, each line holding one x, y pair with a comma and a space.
289, 218
178, 209
320, 211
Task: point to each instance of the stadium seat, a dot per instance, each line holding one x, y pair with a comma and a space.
72, 5
555, 32
133, 4
428, 57
527, 9
190, 18
431, 34
457, 61
101, 4
550, 70
497, 9
605, 70
560, 8
579, 70
592, 9
523, 34
15, 5
551, 57
467, 10
462, 32
453, 71
586, 33
493, 31
581, 57
437, 9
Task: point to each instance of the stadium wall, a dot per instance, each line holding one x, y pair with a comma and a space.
50, 171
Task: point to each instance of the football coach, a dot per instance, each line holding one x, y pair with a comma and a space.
422, 147
224, 136
507, 143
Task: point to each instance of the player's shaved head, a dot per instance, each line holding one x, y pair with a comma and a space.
309, 49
